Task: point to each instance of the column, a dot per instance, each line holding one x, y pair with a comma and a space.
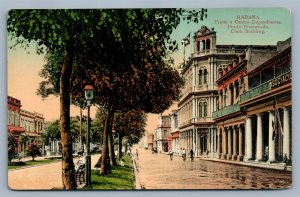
219, 143
259, 141
211, 142
271, 141
286, 133
240, 158
234, 130
248, 139
224, 154
229, 143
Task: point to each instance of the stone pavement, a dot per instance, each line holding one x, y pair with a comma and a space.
41, 177
157, 171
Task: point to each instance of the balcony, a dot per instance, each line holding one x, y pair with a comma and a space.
217, 51
202, 119
265, 87
226, 110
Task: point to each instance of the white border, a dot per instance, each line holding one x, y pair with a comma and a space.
293, 5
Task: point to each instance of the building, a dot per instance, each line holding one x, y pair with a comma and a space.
33, 124
13, 120
230, 119
231, 97
175, 145
198, 130
268, 106
27, 126
162, 132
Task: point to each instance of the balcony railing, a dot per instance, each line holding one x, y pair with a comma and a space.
262, 88
217, 51
226, 110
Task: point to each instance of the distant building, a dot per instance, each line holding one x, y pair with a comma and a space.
13, 120
162, 132
24, 123
175, 145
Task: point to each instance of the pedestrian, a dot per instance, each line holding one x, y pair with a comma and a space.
183, 153
192, 154
137, 153
171, 154
122, 162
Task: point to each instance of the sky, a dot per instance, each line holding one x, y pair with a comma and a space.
23, 67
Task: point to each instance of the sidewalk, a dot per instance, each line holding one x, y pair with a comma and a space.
251, 163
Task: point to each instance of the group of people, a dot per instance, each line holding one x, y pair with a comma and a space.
183, 154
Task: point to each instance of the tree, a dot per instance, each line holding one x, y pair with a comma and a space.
52, 132
63, 32
33, 150
129, 125
12, 148
137, 41
23, 140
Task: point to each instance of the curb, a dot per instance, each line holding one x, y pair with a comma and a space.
30, 166
137, 183
250, 164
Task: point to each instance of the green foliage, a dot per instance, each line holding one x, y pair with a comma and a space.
33, 150
97, 128
121, 178
12, 148
52, 131
130, 125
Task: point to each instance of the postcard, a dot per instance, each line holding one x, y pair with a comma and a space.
149, 99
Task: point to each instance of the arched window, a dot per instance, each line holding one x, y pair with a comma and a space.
205, 76
200, 77
205, 109
200, 109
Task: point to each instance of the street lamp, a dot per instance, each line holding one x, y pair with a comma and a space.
89, 95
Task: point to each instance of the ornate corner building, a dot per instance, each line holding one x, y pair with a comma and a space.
236, 102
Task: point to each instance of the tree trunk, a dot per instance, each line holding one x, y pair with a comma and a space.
68, 171
105, 163
120, 146
111, 139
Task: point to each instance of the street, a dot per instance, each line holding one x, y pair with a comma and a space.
157, 171
42, 177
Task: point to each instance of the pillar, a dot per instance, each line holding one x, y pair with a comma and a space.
211, 142
234, 130
248, 139
241, 154
259, 141
229, 143
271, 141
286, 133
219, 143
224, 152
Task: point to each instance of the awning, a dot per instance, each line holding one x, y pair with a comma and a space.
14, 129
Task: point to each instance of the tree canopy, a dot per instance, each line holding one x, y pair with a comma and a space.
102, 44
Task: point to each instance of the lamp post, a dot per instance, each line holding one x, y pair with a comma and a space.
89, 94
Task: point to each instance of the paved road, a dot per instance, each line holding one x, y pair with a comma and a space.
157, 171
42, 177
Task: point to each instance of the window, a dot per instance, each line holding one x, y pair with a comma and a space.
17, 119
200, 109
200, 77
205, 76
205, 109
12, 118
